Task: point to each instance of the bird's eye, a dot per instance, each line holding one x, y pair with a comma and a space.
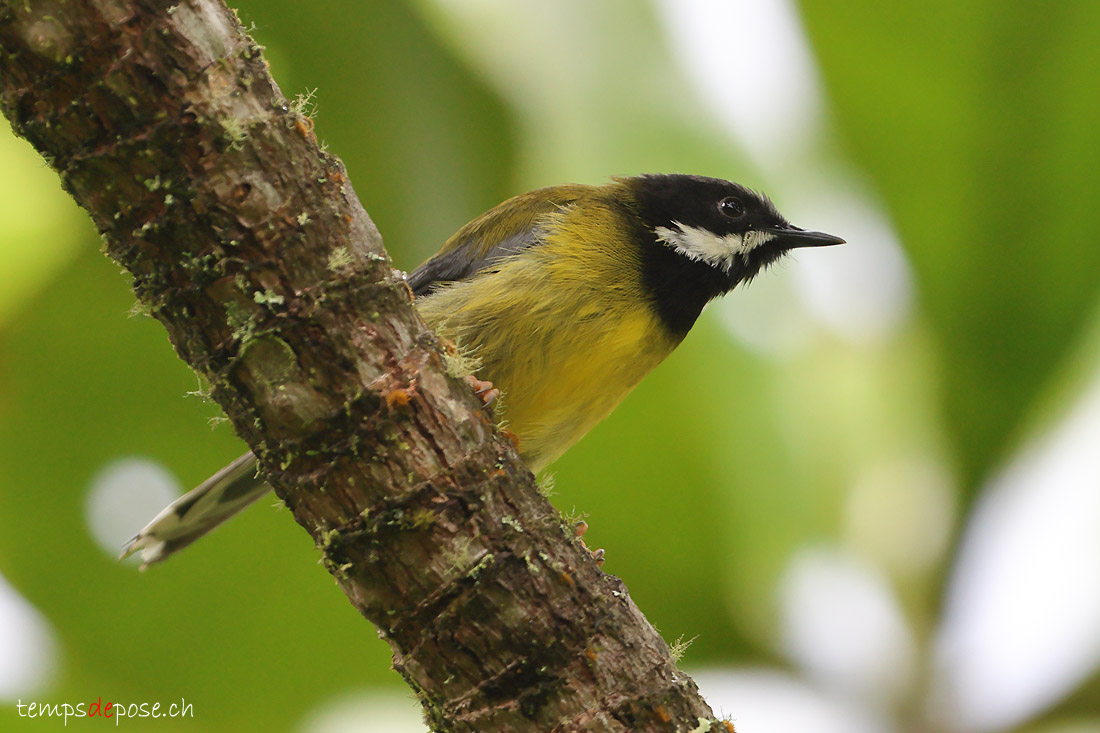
731, 207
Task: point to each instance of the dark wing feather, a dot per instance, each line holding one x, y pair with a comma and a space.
503, 231
464, 261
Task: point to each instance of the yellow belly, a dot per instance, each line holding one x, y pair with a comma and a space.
563, 343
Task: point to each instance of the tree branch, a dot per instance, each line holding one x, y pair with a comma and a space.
247, 242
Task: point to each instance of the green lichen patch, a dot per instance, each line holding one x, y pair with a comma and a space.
240, 320
236, 132
339, 258
678, 648
268, 298
421, 518
305, 104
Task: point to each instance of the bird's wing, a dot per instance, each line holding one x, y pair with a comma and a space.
503, 231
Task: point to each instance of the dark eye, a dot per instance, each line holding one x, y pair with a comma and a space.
731, 207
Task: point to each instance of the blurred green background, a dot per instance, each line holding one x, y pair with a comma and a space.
867, 485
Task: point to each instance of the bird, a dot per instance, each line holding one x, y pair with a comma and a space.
565, 298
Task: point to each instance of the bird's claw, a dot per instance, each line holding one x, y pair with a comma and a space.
483, 389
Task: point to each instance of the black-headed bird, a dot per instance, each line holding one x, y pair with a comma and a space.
564, 298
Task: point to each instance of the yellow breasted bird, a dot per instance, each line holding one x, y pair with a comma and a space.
566, 297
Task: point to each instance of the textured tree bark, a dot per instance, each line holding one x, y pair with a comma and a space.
247, 242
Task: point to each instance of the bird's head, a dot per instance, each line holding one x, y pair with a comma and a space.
719, 223
706, 235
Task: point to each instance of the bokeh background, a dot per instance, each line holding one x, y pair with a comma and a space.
868, 486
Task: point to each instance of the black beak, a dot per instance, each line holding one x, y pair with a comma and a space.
793, 237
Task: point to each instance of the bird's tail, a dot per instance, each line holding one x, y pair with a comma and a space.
198, 511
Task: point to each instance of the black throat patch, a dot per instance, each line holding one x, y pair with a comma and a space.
679, 287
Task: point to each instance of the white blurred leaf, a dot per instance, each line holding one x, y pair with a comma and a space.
1022, 624
843, 626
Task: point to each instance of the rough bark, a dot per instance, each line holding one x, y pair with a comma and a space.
247, 242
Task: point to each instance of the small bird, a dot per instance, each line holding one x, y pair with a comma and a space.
565, 297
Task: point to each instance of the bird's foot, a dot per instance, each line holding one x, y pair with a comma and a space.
483, 389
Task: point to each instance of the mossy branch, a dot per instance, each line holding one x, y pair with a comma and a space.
247, 242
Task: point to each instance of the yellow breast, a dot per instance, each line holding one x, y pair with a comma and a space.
563, 329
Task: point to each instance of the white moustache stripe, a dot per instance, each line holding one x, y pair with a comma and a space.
719, 251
